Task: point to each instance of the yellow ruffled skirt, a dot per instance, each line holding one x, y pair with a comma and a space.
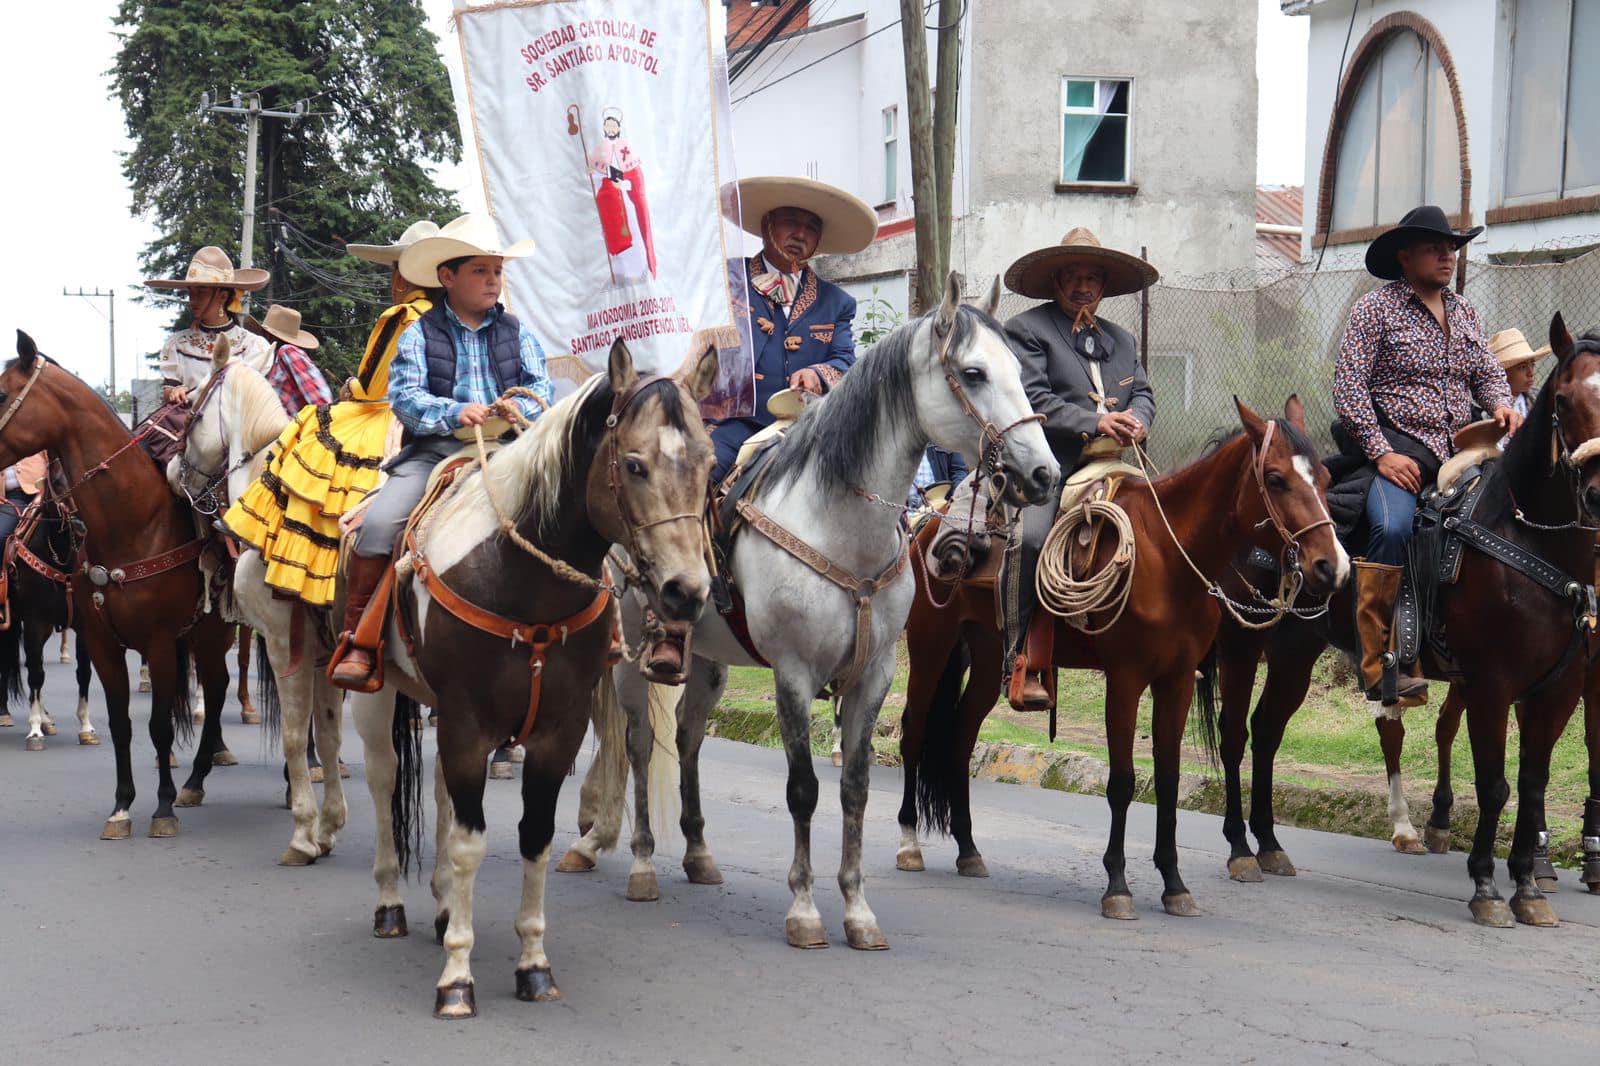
324, 463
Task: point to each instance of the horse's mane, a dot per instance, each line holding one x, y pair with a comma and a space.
109, 406
1294, 434
835, 441
256, 405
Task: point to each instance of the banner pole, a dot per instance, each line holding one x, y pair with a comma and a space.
575, 128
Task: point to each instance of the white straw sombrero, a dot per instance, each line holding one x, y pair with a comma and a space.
848, 224
468, 235
389, 254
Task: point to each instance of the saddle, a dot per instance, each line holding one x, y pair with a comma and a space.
724, 522
161, 435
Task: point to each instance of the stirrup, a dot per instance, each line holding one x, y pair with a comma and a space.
666, 662
374, 679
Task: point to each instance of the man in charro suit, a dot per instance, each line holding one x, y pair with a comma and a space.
1084, 375
800, 326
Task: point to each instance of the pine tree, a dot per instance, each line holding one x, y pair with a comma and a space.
358, 169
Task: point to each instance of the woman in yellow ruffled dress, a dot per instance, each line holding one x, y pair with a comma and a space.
327, 459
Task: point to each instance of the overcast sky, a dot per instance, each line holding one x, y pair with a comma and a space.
69, 221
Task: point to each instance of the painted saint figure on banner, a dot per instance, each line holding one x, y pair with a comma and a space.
620, 198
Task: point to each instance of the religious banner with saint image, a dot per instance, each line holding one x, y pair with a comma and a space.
603, 131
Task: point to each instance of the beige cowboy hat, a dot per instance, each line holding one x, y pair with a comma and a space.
848, 224
282, 323
389, 254
469, 235
1511, 348
1033, 275
211, 268
1478, 435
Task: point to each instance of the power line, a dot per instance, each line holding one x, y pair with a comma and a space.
814, 62
774, 58
781, 23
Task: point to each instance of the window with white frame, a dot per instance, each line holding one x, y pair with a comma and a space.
891, 154
1096, 130
1552, 121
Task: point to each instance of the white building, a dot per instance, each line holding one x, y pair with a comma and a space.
1488, 108
1070, 114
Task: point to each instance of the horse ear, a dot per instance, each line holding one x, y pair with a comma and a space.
221, 353
991, 299
1295, 412
27, 351
1253, 424
620, 367
1560, 339
952, 302
700, 369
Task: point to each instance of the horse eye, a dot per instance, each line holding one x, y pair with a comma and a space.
1275, 481
974, 376
633, 466
1562, 402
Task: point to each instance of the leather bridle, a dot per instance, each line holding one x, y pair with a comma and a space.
643, 565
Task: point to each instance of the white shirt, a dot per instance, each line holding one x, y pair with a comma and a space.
186, 356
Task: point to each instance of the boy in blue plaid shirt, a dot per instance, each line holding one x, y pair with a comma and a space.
448, 366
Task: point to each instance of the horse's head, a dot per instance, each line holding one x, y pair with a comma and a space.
1575, 386
968, 390
33, 413
647, 486
237, 413
1287, 497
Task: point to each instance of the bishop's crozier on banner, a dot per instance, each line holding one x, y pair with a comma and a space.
603, 132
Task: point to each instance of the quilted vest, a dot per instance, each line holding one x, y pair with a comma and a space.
505, 351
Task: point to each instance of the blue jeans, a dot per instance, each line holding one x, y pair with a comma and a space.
1390, 511
11, 509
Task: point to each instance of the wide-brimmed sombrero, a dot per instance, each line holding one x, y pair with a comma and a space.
469, 235
211, 268
283, 323
389, 254
1034, 274
848, 224
1420, 223
1510, 348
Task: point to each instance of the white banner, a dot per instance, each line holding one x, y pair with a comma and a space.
603, 132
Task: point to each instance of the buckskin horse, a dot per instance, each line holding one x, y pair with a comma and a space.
1188, 527
1543, 499
821, 567
139, 585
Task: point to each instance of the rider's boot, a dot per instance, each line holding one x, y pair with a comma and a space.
356, 661
1030, 689
1377, 586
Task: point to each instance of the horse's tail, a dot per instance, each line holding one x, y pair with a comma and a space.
1207, 725
182, 704
602, 798
11, 689
935, 773
267, 700
663, 773
405, 805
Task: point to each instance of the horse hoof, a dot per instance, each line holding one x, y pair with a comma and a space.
837, 758
642, 887
1180, 906
501, 771
144, 684
909, 860
6, 721
316, 775
295, 857
1276, 863
441, 922
1547, 885
89, 740
117, 827
702, 870
224, 757
537, 985
172, 761
1408, 844
574, 862
189, 797
1534, 910
972, 866
33, 744
865, 936
163, 827
1436, 840
805, 933
324, 848
455, 1000
389, 922
1119, 907
518, 754
1491, 912
1245, 869
48, 728
344, 771
250, 716
198, 716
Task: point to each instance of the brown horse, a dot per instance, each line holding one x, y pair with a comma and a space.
138, 584
1251, 491
1542, 497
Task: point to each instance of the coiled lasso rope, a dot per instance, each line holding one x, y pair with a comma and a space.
1107, 589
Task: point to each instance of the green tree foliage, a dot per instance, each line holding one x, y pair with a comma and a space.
358, 170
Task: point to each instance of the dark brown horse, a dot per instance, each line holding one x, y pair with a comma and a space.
138, 585
1513, 641
1251, 491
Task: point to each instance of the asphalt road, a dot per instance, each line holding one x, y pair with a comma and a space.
199, 949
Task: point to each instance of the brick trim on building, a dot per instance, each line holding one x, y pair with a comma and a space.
1571, 205
1366, 52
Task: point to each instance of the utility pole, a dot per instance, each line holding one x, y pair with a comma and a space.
250, 107
932, 128
111, 301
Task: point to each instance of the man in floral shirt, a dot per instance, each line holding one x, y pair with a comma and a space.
1412, 360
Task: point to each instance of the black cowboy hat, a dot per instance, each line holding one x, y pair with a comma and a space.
1418, 224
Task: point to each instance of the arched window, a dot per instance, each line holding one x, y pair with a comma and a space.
1399, 146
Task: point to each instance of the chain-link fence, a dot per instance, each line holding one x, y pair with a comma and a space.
1263, 338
